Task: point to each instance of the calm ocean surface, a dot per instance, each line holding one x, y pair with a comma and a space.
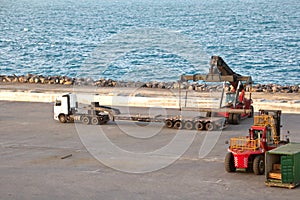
146, 40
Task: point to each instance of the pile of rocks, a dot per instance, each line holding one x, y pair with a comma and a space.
64, 80
273, 88
29, 78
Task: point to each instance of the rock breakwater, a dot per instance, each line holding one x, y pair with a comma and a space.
102, 82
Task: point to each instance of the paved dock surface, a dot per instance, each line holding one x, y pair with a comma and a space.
32, 146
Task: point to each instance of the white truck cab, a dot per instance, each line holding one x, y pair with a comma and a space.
64, 106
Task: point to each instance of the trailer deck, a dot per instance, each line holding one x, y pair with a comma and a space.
177, 120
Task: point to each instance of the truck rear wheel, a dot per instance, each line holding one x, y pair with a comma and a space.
188, 125
229, 163
85, 120
62, 118
209, 126
94, 121
259, 165
199, 126
178, 124
169, 123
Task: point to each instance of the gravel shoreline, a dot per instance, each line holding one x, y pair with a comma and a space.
104, 83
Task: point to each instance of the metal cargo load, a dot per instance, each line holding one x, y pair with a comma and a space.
283, 166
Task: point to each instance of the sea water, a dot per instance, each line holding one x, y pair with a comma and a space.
150, 40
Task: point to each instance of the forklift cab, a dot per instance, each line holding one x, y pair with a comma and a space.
230, 98
256, 134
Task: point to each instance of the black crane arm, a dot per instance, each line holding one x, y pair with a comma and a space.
219, 71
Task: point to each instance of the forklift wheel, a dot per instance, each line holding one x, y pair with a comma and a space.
229, 163
230, 118
259, 165
236, 118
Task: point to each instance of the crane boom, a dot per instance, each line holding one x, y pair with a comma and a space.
219, 72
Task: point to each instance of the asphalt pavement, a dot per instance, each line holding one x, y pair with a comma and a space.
43, 159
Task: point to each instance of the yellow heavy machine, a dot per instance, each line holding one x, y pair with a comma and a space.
249, 152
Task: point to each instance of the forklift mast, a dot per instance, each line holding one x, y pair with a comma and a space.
277, 119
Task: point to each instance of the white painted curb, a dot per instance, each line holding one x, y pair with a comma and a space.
168, 102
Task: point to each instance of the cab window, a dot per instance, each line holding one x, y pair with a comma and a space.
257, 134
270, 139
57, 103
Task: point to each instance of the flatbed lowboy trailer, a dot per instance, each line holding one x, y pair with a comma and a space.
66, 110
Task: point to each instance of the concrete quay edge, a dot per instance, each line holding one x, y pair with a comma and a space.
291, 106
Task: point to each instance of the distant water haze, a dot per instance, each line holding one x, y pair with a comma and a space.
144, 40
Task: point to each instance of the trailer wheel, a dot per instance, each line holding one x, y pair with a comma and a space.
252, 112
85, 120
178, 124
236, 118
62, 118
229, 163
259, 165
199, 126
169, 123
189, 125
209, 126
94, 121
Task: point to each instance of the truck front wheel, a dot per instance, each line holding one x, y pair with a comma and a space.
62, 118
